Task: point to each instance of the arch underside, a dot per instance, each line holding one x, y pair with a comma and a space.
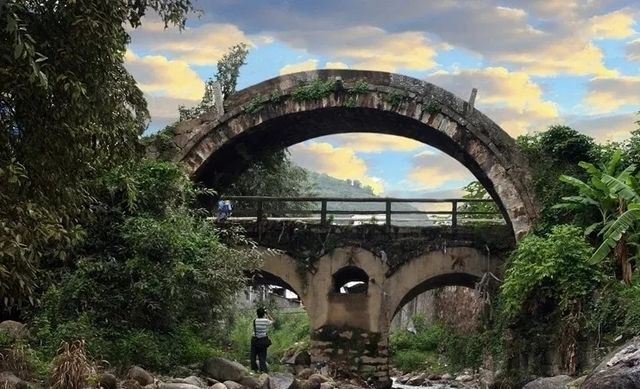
262, 277
435, 282
283, 131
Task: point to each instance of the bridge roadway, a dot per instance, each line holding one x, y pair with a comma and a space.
390, 266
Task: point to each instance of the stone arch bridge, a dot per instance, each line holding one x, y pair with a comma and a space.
350, 328
290, 109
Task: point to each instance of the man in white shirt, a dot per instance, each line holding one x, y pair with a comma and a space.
260, 341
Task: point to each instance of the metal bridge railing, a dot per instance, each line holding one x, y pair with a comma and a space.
318, 209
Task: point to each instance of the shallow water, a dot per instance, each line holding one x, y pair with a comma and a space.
434, 386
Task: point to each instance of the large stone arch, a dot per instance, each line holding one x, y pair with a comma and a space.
274, 114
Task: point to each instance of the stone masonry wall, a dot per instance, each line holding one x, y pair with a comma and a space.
352, 351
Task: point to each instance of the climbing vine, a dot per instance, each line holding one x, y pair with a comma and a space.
315, 90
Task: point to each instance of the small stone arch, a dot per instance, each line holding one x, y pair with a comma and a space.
281, 270
458, 266
277, 113
349, 274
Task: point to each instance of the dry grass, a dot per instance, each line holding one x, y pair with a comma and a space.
15, 360
71, 367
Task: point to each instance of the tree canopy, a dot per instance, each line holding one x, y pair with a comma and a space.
69, 111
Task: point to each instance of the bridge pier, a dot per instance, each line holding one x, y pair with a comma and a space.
352, 351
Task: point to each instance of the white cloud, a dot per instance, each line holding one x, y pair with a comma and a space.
336, 65
156, 75
368, 47
363, 142
633, 50
434, 170
510, 98
201, 45
606, 94
310, 64
338, 162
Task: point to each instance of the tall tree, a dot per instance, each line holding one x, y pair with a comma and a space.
274, 175
226, 79
68, 111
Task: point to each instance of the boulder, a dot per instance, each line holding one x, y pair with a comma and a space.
309, 384
446, 377
464, 378
174, 385
281, 381
319, 378
233, 385
8, 380
326, 385
577, 383
619, 370
108, 381
250, 382
132, 384
305, 373
219, 385
224, 369
140, 375
191, 380
263, 379
417, 380
14, 329
301, 358
557, 382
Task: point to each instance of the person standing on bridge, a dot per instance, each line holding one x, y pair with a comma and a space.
260, 341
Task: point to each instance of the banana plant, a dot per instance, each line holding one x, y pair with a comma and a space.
617, 198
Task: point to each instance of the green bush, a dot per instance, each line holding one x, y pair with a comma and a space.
152, 279
409, 360
434, 347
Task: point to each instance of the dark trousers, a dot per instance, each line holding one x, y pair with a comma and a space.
261, 353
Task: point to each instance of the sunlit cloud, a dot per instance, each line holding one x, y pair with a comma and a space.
608, 127
368, 47
614, 25
201, 45
512, 99
157, 75
336, 65
633, 50
338, 162
433, 170
310, 64
606, 94
374, 143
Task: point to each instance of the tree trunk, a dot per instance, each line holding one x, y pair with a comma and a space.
621, 253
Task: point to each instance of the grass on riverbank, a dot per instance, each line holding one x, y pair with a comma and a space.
291, 330
434, 348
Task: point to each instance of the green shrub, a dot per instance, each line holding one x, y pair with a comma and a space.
409, 360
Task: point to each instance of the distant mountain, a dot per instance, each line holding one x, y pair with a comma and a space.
323, 185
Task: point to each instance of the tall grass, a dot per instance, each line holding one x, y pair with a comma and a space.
291, 330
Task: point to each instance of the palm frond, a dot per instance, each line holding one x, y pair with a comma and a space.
590, 168
589, 230
582, 187
614, 162
581, 200
613, 232
620, 188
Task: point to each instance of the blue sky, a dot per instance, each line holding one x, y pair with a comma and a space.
534, 62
